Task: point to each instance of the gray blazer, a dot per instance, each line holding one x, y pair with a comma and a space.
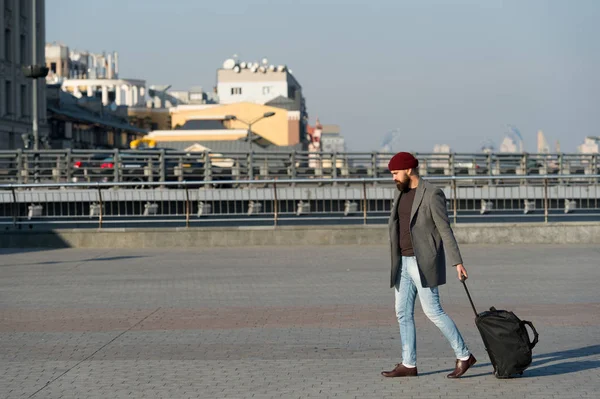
431, 234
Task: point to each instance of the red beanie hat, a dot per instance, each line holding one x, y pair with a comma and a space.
403, 161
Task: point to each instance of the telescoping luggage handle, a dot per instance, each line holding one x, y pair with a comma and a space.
462, 280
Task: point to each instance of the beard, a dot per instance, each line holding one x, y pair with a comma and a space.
402, 185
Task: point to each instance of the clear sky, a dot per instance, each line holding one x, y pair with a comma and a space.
446, 72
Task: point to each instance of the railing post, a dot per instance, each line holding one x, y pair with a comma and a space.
319, 165
150, 169
490, 167
364, 187
207, 168
101, 210
116, 165
19, 166
374, 165
594, 167
163, 166
187, 206
69, 165
546, 200
15, 208
455, 199
250, 165
36, 166
56, 171
25, 157
560, 167
334, 166
275, 204
293, 171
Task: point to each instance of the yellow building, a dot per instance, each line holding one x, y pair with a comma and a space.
281, 129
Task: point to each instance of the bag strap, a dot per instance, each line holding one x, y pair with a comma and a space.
535, 333
462, 280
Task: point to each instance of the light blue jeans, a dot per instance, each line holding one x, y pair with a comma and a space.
406, 292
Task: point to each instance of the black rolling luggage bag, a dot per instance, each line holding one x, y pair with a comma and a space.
506, 340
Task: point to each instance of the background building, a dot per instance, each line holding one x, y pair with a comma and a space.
85, 123
208, 123
542, 143
332, 139
15, 88
589, 146
264, 83
120, 92
150, 118
194, 96
509, 145
248, 81
73, 64
83, 73
96, 107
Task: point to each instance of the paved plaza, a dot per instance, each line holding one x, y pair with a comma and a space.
267, 322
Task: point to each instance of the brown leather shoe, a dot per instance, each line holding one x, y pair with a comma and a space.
401, 371
462, 366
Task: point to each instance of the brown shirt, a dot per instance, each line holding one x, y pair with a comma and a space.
404, 209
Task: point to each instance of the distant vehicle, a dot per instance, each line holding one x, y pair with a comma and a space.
137, 166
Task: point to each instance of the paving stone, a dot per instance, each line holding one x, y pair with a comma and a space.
268, 322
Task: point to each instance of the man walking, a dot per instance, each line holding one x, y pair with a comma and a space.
420, 237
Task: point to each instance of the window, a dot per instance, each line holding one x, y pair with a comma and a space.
9, 98
68, 130
266, 90
7, 45
23, 100
23, 49
110, 140
236, 91
53, 67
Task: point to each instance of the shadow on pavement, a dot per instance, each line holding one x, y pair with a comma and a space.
565, 363
57, 262
11, 251
107, 259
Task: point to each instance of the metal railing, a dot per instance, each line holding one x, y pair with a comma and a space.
299, 201
147, 166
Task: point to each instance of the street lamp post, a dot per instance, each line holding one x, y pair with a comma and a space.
249, 125
249, 136
34, 72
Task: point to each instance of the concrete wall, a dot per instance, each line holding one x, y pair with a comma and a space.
522, 233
